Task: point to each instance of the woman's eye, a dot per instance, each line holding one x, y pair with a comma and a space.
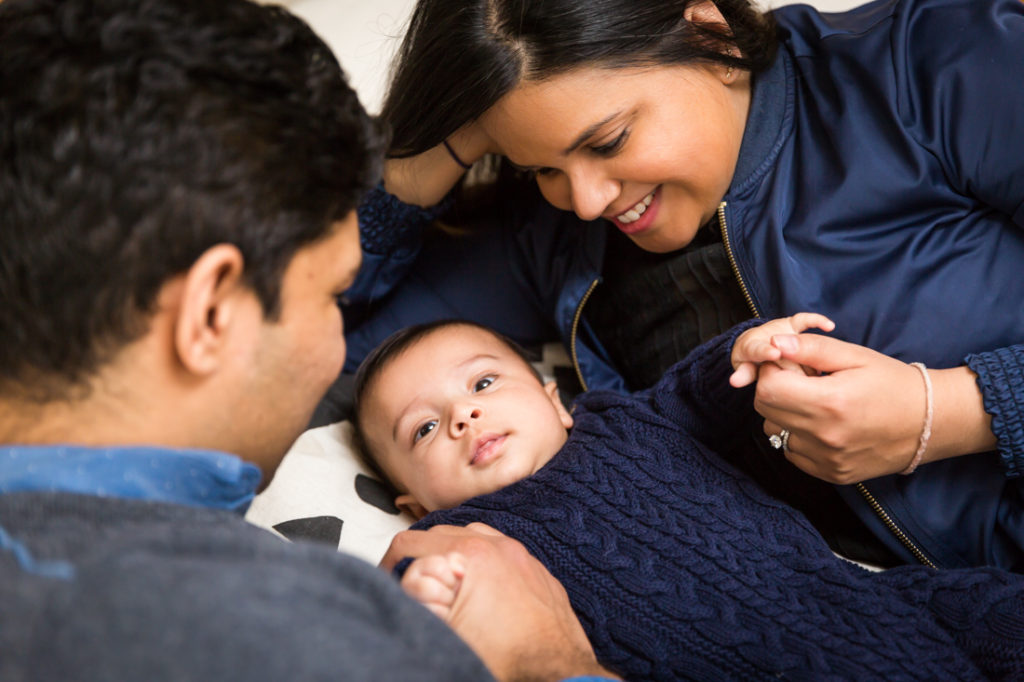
424, 430
482, 384
613, 146
531, 171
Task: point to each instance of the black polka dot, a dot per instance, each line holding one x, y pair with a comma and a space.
325, 529
373, 492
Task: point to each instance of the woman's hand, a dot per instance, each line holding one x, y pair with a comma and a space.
425, 179
863, 417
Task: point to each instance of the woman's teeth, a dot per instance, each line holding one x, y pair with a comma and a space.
634, 213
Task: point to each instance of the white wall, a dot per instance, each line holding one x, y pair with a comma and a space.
364, 33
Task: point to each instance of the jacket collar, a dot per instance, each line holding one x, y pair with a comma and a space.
768, 122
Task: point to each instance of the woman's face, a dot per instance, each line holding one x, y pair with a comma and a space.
652, 149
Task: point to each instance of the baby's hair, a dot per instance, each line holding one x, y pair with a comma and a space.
381, 356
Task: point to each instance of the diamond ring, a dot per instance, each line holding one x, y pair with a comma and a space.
779, 441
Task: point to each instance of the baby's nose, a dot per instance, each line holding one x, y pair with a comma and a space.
464, 418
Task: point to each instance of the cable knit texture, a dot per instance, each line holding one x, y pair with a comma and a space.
681, 567
1001, 380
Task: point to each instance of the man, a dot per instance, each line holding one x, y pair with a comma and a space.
177, 188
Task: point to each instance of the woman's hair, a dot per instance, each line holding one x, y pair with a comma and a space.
459, 57
381, 356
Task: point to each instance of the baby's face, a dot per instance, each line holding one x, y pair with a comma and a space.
460, 414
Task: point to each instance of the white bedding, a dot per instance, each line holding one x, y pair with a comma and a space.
323, 492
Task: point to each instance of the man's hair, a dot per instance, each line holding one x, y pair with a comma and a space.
135, 135
381, 356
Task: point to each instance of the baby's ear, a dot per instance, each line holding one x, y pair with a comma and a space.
408, 504
563, 414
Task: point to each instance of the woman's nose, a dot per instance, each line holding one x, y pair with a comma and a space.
592, 193
462, 417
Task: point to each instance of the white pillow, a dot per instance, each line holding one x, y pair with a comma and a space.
323, 492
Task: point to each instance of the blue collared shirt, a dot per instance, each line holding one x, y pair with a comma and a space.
199, 478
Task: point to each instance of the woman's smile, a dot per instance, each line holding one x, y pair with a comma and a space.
640, 216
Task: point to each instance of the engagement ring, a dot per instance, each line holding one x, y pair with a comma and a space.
779, 441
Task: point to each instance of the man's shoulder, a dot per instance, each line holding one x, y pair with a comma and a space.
196, 594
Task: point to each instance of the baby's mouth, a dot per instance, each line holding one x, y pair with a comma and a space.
486, 448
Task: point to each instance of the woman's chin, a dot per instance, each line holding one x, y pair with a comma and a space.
655, 241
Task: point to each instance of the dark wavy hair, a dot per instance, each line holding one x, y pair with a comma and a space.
459, 57
136, 134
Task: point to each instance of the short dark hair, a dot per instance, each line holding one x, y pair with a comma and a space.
135, 135
381, 356
459, 57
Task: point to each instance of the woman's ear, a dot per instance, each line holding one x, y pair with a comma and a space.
704, 12
563, 414
213, 296
408, 504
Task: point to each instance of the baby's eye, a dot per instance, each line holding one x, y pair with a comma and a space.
424, 430
483, 383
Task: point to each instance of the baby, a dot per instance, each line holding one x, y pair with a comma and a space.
676, 563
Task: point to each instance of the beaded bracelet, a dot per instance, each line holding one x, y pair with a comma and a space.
455, 157
926, 430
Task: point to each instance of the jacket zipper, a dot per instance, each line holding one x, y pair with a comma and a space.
575, 328
872, 502
732, 260
887, 520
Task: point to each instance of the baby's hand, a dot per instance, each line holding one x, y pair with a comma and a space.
754, 346
434, 581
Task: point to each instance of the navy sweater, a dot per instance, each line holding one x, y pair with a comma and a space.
681, 567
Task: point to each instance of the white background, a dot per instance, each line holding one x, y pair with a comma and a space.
364, 33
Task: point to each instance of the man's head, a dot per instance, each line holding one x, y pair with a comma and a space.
450, 410
177, 188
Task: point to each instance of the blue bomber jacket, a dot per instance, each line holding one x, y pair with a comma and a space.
880, 182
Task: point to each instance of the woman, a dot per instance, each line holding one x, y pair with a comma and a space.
864, 165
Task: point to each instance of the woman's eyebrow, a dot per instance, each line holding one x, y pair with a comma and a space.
588, 133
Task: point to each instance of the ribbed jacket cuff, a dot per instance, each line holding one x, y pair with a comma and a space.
389, 226
1001, 381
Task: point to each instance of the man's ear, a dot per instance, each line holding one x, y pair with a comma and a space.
213, 294
409, 505
552, 390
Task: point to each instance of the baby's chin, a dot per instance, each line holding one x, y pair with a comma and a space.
504, 473
523, 469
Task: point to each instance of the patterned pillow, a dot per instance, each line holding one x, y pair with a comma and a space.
323, 492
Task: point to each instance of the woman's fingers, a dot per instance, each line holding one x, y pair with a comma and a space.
822, 353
